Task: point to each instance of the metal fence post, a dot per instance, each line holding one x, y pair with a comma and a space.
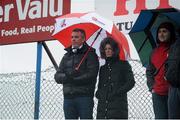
38, 80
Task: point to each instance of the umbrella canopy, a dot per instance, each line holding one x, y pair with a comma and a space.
93, 24
143, 33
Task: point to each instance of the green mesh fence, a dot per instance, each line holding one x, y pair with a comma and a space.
17, 94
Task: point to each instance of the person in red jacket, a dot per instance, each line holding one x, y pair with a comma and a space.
155, 70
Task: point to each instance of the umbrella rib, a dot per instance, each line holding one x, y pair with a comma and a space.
139, 50
85, 55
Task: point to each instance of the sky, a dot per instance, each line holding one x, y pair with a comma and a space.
22, 57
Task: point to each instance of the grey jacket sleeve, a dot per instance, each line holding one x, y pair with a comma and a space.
173, 66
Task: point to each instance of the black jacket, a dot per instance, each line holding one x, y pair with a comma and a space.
81, 82
115, 80
172, 65
151, 71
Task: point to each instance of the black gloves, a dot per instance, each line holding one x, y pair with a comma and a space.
67, 77
70, 75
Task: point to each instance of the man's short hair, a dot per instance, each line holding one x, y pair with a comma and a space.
81, 31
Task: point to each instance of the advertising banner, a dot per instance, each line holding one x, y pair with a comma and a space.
23, 21
125, 12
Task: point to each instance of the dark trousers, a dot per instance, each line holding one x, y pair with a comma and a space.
174, 103
160, 106
79, 107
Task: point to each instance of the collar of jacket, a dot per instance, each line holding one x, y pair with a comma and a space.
111, 60
83, 49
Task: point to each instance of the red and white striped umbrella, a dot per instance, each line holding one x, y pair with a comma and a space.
92, 23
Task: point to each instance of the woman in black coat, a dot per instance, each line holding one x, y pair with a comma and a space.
115, 80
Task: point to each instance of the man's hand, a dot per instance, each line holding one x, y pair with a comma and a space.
72, 74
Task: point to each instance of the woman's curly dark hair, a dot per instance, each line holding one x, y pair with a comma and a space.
112, 43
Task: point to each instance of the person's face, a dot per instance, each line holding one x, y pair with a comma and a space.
163, 35
108, 50
77, 39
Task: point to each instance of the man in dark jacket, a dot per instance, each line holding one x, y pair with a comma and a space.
78, 83
173, 77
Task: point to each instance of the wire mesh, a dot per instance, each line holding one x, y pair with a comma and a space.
17, 94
